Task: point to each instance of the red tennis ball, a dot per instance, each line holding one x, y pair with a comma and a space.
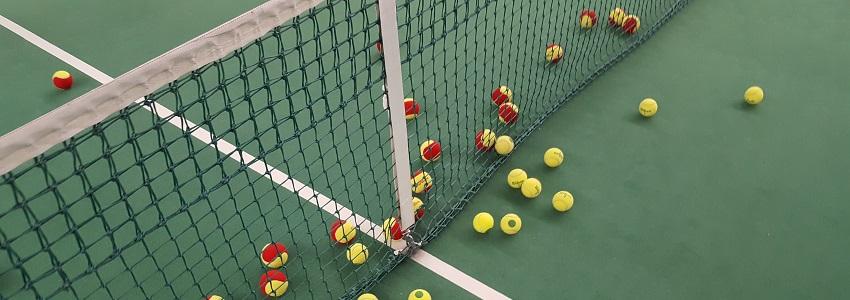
343, 232
392, 229
274, 255
273, 283
380, 47
63, 80
418, 208
508, 113
501, 95
587, 18
411, 109
214, 297
430, 150
485, 139
631, 24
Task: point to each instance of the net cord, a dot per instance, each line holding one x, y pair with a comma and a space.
62, 123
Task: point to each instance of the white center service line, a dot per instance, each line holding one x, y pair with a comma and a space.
307, 193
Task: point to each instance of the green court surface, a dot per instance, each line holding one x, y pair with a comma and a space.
711, 198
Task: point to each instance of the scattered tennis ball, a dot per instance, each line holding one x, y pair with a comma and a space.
419, 294
648, 107
392, 229
554, 53
273, 283
421, 182
631, 24
562, 201
510, 224
411, 108
616, 17
418, 208
553, 157
214, 297
357, 253
754, 95
343, 232
367, 296
274, 255
508, 113
501, 95
531, 188
482, 222
430, 150
504, 145
516, 177
485, 139
63, 80
587, 19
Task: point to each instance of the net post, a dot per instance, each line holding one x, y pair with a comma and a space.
395, 101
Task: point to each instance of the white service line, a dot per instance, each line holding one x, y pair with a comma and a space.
327, 204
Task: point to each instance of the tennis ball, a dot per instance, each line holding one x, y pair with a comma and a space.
587, 19
411, 109
553, 157
482, 222
554, 53
485, 139
357, 253
367, 296
418, 209
562, 201
510, 224
531, 188
516, 177
508, 113
648, 107
63, 80
631, 24
504, 145
430, 150
616, 17
274, 255
501, 95
419, 294
273, 283
392, 229
343, 232
214, 297
754, 95
421, 182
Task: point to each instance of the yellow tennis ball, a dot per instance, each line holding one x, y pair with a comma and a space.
516, 177
504, 145
648, 107
510, 224
562, 201
531, 188
553, 157
482, 222
419, 294
367, 296
357, 253
754, 95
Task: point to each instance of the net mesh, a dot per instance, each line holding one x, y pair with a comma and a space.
141, 206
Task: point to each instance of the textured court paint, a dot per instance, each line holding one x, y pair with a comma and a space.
710, 199
26, 89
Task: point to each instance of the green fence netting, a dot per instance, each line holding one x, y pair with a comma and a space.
135, 207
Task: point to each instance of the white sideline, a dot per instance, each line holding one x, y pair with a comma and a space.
327, 204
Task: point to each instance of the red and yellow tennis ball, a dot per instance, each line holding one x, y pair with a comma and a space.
485, 139
215, 297
587, 19
631, 24
274, 255
411, 108
273, 283
380, 47
554, 53
508, 113
421, 182
357, 254
63, 80
616, 17
418, 209
430, 150
501, 95
343, 232
392, 229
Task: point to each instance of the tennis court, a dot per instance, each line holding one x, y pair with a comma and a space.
175, 195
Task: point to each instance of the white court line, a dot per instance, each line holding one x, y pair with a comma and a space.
327, 204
